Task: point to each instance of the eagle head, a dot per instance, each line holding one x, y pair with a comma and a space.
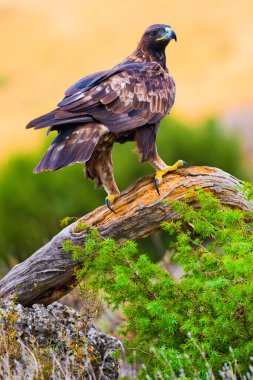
157, 37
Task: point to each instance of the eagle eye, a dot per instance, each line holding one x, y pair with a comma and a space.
154, 33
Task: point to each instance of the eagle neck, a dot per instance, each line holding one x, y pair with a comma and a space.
148, 55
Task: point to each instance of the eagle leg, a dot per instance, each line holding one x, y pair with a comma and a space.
100, 168
160, 173
145, 138
162, 169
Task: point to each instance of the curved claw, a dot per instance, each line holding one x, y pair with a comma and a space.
108, 204
109, 200
157, 185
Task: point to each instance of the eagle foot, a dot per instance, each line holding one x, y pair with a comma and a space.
109, 200
160, 173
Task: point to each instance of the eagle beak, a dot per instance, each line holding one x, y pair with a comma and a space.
168, 35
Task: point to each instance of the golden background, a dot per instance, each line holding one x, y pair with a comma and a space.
47, 45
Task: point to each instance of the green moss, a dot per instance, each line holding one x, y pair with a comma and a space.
68, 220
80, 226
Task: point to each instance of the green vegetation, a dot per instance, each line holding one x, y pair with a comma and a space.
190, 328
31, 206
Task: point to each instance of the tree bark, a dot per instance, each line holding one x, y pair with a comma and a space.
49, 273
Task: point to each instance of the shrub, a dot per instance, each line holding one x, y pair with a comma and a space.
192, 327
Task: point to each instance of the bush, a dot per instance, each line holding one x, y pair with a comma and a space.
31, 206
199, 327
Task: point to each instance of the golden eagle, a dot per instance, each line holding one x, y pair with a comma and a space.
125, 103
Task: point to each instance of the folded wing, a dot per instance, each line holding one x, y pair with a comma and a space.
124, 98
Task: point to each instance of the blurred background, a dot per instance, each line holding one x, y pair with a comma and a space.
47, 45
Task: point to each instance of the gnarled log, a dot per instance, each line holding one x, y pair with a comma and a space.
49, 273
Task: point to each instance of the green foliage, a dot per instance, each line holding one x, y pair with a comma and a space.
207, 144
248, 190
80, 226
31, 206
187, 328
67, 220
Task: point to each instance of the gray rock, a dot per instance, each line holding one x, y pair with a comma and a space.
61, 329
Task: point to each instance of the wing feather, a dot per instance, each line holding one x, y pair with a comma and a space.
126, 97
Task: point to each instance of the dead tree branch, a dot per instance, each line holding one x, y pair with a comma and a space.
49, 273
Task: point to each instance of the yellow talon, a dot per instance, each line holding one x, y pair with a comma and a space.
110, 199
160, 173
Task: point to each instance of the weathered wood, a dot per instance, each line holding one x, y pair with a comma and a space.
49, 273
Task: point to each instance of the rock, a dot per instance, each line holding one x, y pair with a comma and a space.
60, 332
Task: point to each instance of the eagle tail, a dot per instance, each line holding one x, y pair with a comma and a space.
45, 120
50, 119
72, 144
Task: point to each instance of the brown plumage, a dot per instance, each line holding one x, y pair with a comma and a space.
121, 104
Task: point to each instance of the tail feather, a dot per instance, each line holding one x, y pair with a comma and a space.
42, 119
72, 144
56, 118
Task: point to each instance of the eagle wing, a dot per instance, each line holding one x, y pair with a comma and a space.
126, 97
